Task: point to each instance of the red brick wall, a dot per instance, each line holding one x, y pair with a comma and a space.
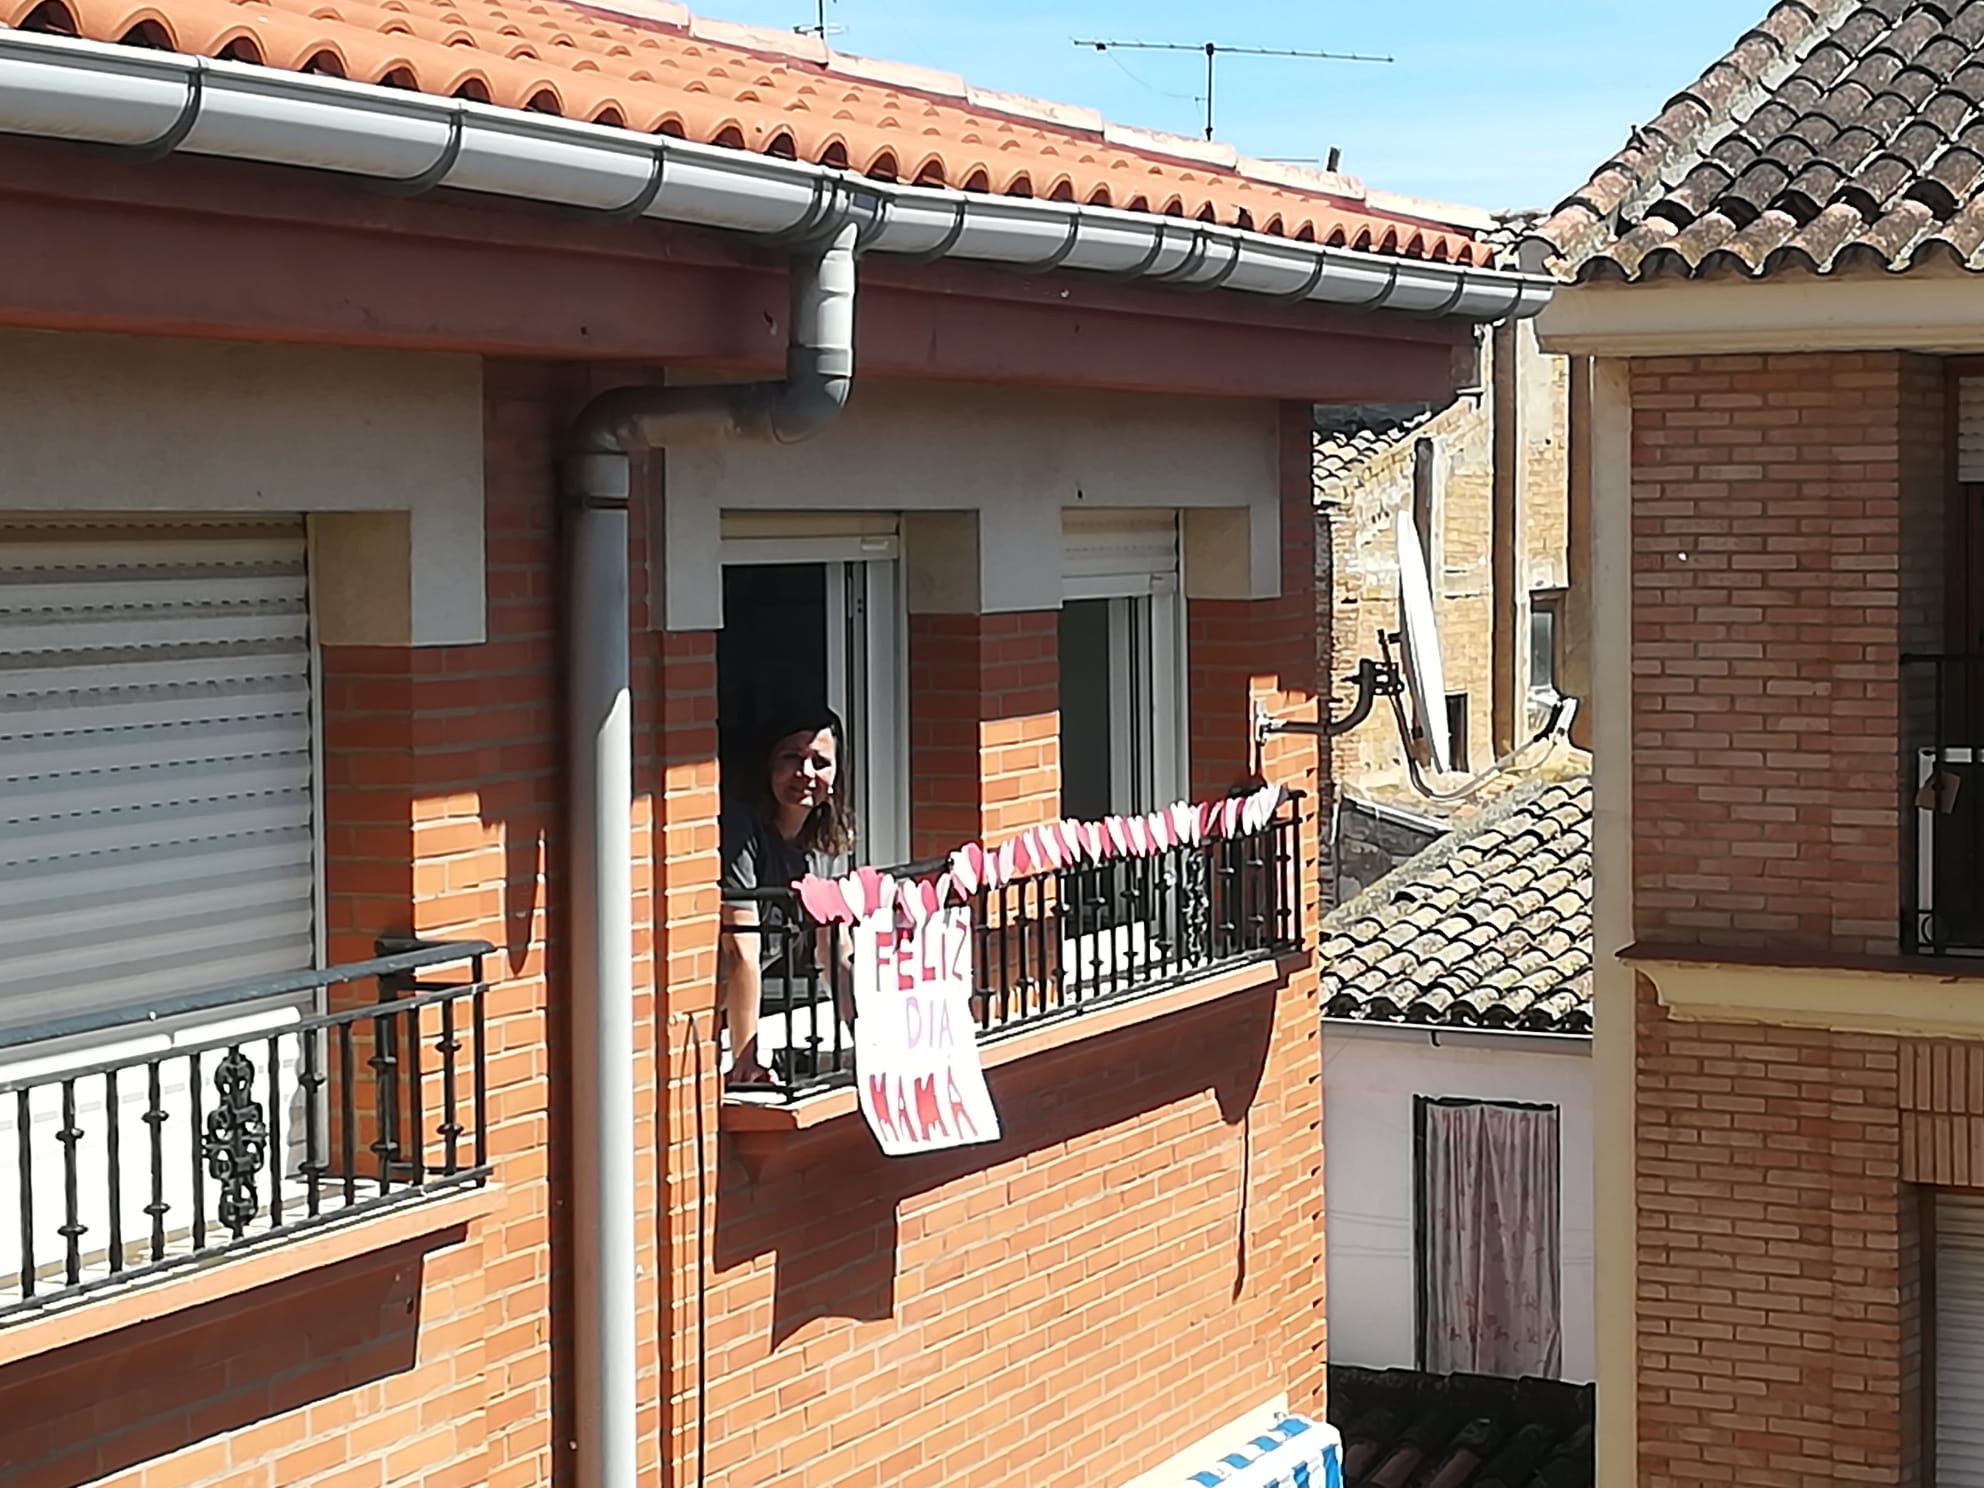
430, 1365
1136, 1262
984, 727
1776, 502
1787, 517
1780, 1283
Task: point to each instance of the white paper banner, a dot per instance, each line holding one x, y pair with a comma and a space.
916, 1066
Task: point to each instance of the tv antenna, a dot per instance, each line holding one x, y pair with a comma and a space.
819, 28
1213, 51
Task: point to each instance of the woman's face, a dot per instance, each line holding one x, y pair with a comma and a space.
803, 768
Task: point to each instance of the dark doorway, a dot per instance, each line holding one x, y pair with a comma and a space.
771, 653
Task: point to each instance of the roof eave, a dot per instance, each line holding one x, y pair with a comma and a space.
153, 103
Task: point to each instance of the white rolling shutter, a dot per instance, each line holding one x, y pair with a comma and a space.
1118, 553
1959, 1334
156, 762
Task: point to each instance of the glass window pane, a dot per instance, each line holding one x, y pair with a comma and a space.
1086, 783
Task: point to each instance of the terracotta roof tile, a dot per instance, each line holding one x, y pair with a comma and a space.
1488, 928
1402, 1426
1837, 134
651, 67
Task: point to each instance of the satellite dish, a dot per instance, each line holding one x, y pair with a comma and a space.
1425, 678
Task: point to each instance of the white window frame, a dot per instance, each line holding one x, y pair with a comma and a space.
867, 657
1150, 691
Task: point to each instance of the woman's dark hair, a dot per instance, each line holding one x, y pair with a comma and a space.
829, 828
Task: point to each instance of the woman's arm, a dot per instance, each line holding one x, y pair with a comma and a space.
738, 975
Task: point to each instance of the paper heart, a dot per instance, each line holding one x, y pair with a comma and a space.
1052, 853
1264, 802
1070, 834
931, 896
1117, 832
1208, 814
944, 889
1161, 834
1093, 845
822, 899
968, 869
1137, 830
1229, 815
877, 888
853, 896
1184, 822
1026, 852
916, 899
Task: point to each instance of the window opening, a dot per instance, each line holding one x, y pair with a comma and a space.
1545, 616
1487, 1233
1457, 731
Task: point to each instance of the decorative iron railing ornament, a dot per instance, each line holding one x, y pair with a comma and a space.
237, 1141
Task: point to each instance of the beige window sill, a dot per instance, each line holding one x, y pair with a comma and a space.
231, 1274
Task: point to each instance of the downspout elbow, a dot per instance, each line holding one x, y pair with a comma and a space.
819, 374
819, 354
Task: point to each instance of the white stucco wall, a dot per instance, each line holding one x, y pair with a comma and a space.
1370, 1076
1010, 459
382, 450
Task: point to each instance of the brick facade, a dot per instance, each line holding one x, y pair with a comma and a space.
1773, 500
1136, 1262
1786, 549
984, 726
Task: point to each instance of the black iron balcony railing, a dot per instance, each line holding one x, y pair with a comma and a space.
166, 1151
1045, 945
1943, 876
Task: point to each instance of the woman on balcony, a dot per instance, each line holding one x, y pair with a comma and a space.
793, 818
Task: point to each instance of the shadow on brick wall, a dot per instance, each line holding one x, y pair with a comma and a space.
829, 1212
182, 1383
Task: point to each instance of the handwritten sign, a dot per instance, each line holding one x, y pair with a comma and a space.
915, 1047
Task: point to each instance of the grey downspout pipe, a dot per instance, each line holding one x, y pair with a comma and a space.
615, 425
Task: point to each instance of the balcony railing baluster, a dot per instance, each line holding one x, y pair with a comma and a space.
223, 1190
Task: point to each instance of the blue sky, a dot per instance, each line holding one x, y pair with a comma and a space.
1500, 105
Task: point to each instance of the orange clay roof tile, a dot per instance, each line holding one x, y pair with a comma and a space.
650, 66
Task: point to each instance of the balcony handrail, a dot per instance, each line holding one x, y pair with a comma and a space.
419, 956
160, 1159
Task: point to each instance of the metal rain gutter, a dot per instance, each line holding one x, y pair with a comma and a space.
154, 103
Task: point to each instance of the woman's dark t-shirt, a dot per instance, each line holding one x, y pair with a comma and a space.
756, 857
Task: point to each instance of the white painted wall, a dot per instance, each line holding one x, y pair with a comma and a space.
1370, 1075
1009, 458
387, 444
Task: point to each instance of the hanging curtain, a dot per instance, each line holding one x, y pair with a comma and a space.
1490, 1290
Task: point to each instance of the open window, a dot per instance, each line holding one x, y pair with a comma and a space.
1122, 663
1488, 1231
812, 607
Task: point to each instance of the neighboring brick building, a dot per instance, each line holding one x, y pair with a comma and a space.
353, 657
1485, 474
1774, 280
